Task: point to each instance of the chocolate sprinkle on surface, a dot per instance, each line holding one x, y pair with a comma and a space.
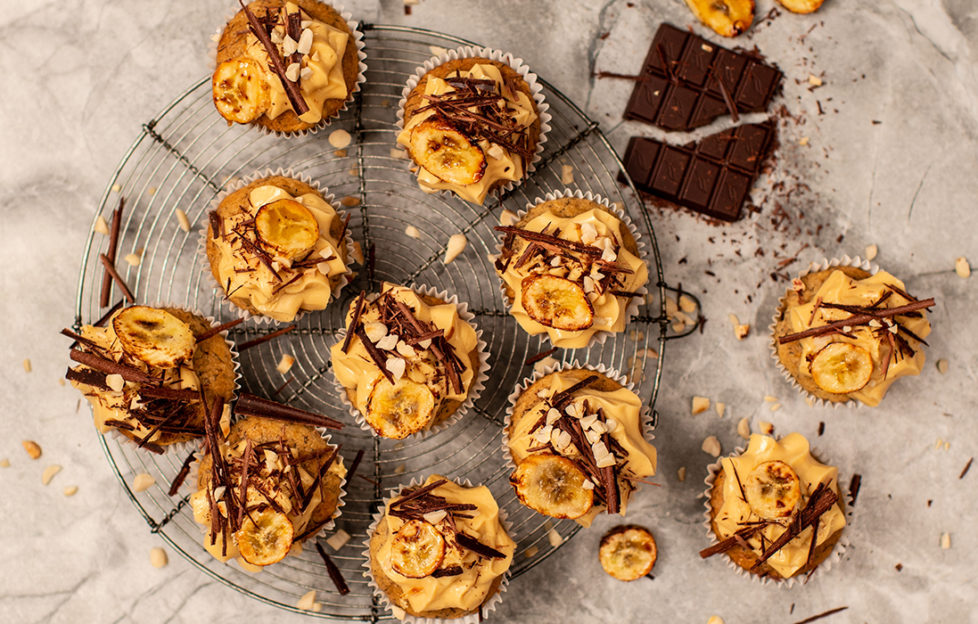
821, 615
967, 467
334, 572
854, 485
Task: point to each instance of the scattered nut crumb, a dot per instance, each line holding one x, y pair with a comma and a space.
700, 404
135, 257
566, 174
350, 201
151, 190
101, 226
814, 80
183, 220
456, 244
711, 446
962, 268
285, 363
4, 463
116, 188
770, 399
400, 469
338, 540
508, 217
720, 408
871, 252
803, 141
945, 541
942, 366
687, 304
766, 427
741, 330
398, 153
437, 50
157, 557
142, 482
49, 473
340, 138
412, 231
715, 619
810, 401
531, 552
939, 442
340, 153
947, 445
636, 335
71, 490
308, 602
357, 252
33, 448
743, 428
775, 407
61, 381
27, 365
681, 473
554, 538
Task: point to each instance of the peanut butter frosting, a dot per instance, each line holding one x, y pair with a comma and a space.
478, 576
285, 474
321, 66
610, 276
882, 291
417, 365
501, 164
735, 513
602, 407
264, 281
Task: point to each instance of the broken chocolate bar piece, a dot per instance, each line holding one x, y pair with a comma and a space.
712, 177
687, 82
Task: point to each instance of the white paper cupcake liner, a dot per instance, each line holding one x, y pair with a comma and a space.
631, 310
517, 64
815, 267
478, 382
473, 618
356, 37
238, 183
837, 551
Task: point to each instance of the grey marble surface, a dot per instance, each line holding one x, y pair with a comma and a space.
83, 76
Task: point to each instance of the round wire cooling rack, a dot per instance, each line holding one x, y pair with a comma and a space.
186, 155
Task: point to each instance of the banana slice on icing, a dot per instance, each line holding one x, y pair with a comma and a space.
265, 537
446, 153
773, 490
552, 485
286, 228
154, 336
627, 552
841, 367
557, 302
240, 90
417, 550
397, 410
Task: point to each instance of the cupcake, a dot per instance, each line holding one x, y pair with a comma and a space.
277, 248
439, 550
306, 41
844, 334
147, 370
774, 509
408, 362
575, 438
271, 485
571, 268
472, 125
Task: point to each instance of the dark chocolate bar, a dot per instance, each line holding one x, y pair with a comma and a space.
712, 177
687, 82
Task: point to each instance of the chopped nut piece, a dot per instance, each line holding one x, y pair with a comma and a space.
116, 188
4, 463
49, 473
151, 190
71, 490
338, 540
142, 482
962, 268
285, 363
183, 220
687, 304
398, 153
508, 217
743, 428
871, 252
412, 231
814, 80
101, 226
27, 365
700, 404
681, 473
308, 601
115, 382
134, 258
715, 619
770, 399
942, 366
711, 446
340, 153
349, 201
741, 331
803, 141
766, 427
33, 448
566, 174
400, 469
554, 538
157, 557
531, 552
436, 50
340, 138
456, 244
720, 408
945, 541
775, 407
61, 381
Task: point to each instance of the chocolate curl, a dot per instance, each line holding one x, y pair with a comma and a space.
263, 339
113, 249
108, 366
182, 475
374, 354
334, 572
478, 547
215, 330
110, 269
251, 405
278, 66
539, 237
355, 321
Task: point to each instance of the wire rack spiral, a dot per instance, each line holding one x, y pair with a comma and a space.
186, 155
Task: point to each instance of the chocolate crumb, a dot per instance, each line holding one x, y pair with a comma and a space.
821, 427
854, 485
821, 615
967, 467
899, 567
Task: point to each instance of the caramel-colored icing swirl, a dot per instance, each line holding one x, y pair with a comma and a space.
501, 164
251, 284
839, 288
609, 309
622, 406
792, 449
471, 588
356, 371
324, 62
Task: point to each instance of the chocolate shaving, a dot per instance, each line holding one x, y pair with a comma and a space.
967, 467
857, 319
726, 97
266, 338
454, 570
334, 572
108, 314
533, 359
217, 224
431, 335
119, 424
813, 543
110, 269
820, 501
353, 467
355, 321
79, 338
824, 614
243, 496
317, 482
215, 330
170, 394
854, 484
182, 474
278, 66
467, 541
726, 544
626, 293
111, 367
113, 250
562, 398
440, 353
87, 377
374, 353
251, 405
346, 225
419, 492
539, 237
